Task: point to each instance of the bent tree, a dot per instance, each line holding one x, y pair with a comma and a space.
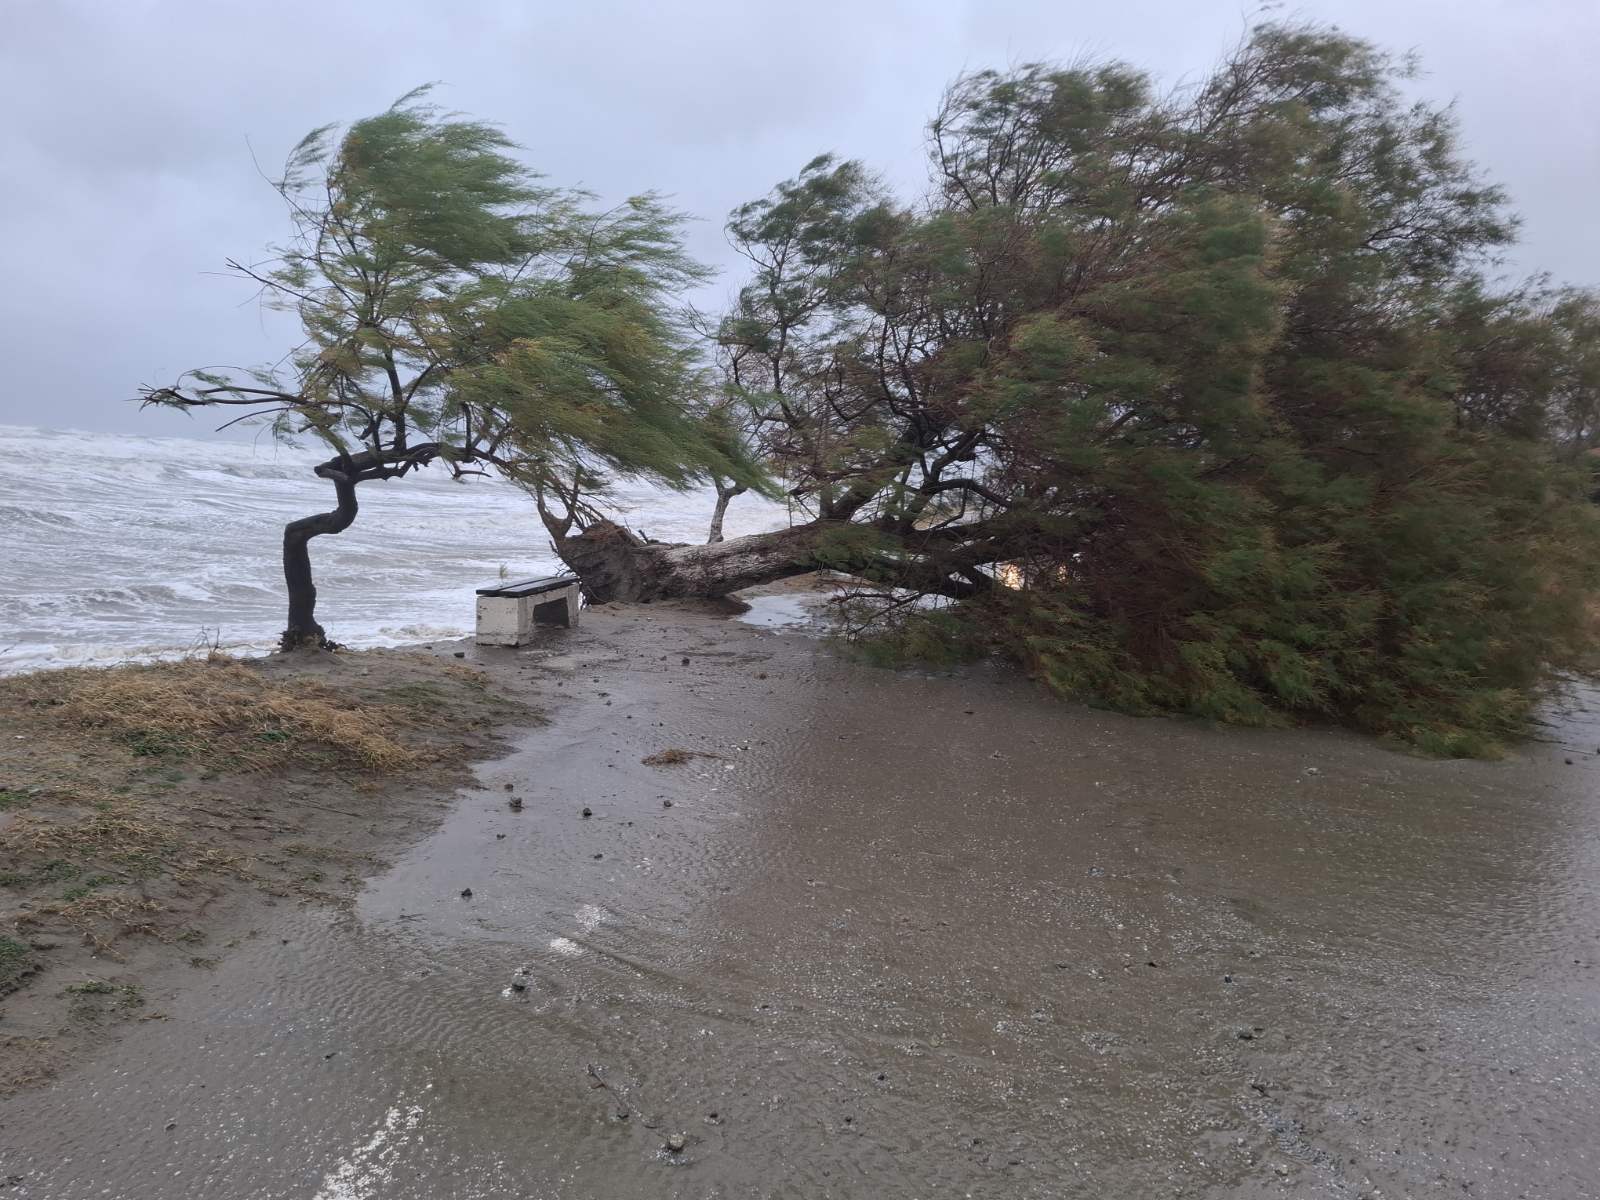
1203, 400
457, 311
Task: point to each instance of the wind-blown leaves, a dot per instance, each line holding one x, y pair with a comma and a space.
457, 308
1218, 379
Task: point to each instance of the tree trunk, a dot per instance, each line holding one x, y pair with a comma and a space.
302, 629
616, 564
725, 497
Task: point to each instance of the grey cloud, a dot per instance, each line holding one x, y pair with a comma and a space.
128, 176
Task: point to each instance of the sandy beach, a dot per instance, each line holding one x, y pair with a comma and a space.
850, 933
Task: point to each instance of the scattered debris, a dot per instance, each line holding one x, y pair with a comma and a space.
674, 755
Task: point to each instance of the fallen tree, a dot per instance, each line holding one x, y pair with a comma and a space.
1218, 379
616, 564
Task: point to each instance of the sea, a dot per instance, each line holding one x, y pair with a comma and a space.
118, 548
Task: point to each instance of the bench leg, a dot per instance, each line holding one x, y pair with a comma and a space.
560, 609
503, 621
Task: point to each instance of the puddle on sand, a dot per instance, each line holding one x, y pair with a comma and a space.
786, 611
928, 936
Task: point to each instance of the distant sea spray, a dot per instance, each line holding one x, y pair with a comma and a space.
148, 546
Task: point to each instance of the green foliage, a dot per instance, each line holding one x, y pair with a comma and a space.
939, 638
79, 890
58, 871
87, 994
1217, 382
17, 962
456, 309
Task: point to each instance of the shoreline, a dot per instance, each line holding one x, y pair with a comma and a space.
896, 932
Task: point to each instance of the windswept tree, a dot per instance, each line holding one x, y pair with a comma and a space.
458, 311
1202, 400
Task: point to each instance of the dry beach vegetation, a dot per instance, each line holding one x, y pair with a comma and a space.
142, 807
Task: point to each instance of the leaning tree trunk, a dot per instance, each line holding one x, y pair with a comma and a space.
725, 495
615, 564
302, 629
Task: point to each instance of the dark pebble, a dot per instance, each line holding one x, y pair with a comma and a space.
686, 661
461, 653
666, 804
499, 836
599, 856
586, 813
466, 893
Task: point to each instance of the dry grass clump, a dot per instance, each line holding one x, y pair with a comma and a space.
134, 798
221, 710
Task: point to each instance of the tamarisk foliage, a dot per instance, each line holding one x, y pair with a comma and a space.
1205, 401
458, 311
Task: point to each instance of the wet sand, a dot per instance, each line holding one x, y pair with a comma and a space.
902, 936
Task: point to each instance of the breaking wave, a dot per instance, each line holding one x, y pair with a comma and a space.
152, 546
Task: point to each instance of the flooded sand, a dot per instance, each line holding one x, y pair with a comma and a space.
895, 936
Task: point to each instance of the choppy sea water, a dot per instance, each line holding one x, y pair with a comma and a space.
116, 547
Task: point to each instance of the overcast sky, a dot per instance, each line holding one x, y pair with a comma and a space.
128, 178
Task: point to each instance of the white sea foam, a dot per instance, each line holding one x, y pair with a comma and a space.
367, 1171
115, 547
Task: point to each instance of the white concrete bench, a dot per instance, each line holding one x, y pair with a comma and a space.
508, 612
